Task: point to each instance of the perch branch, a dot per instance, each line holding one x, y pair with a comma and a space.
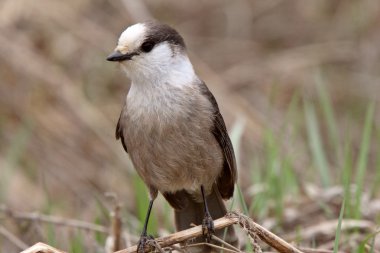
252, 228
185, 235
42, 248
265, 235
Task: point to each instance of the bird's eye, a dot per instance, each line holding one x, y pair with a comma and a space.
147, 46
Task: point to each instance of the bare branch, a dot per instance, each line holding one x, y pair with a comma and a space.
42, 248
253, 229
271, 239
185, 235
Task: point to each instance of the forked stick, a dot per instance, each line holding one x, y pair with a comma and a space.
253, 229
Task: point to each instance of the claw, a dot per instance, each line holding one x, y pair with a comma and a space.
144, 238
143, 243
208, 228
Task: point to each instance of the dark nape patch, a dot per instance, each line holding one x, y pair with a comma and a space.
158, 32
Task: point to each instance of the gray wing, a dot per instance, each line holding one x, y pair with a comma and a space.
228, 176
119, 132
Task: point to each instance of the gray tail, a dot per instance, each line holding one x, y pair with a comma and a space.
194, 213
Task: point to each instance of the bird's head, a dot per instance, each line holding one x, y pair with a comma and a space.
149, 48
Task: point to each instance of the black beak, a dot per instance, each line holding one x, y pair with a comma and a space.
118, 56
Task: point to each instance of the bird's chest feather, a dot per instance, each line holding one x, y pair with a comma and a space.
169, 136
155, 110
166, 117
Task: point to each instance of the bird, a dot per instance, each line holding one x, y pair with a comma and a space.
172, 129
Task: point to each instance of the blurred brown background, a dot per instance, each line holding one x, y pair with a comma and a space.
60, 99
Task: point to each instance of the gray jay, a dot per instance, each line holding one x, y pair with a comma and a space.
171, 127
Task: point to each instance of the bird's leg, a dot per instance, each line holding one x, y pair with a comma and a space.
144, 237
208, 224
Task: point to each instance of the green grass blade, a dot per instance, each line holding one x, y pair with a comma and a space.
372, 237
240, 197
328, 112
243, 205
376, 184
13, 154
372, 249
142, 202
77, 244
258, 205
103, 213
338, 229
347, 176
315, 143
51, 237
361, 167
275, 176
236, 134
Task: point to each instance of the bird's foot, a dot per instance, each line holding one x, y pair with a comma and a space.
143, 243
208, 228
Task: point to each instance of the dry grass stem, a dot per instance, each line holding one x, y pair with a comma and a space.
116, 228
210, 245
12, 238
310, 250
37, 217
329, 227
217, 239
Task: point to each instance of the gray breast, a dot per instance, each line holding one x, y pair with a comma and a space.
169, 139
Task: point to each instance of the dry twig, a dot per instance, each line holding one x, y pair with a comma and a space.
42, 248
37, 217
185, 235
12, 238
329, 227
253, 229
217, 239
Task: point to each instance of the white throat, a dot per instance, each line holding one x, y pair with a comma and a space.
161, 68
160, 90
